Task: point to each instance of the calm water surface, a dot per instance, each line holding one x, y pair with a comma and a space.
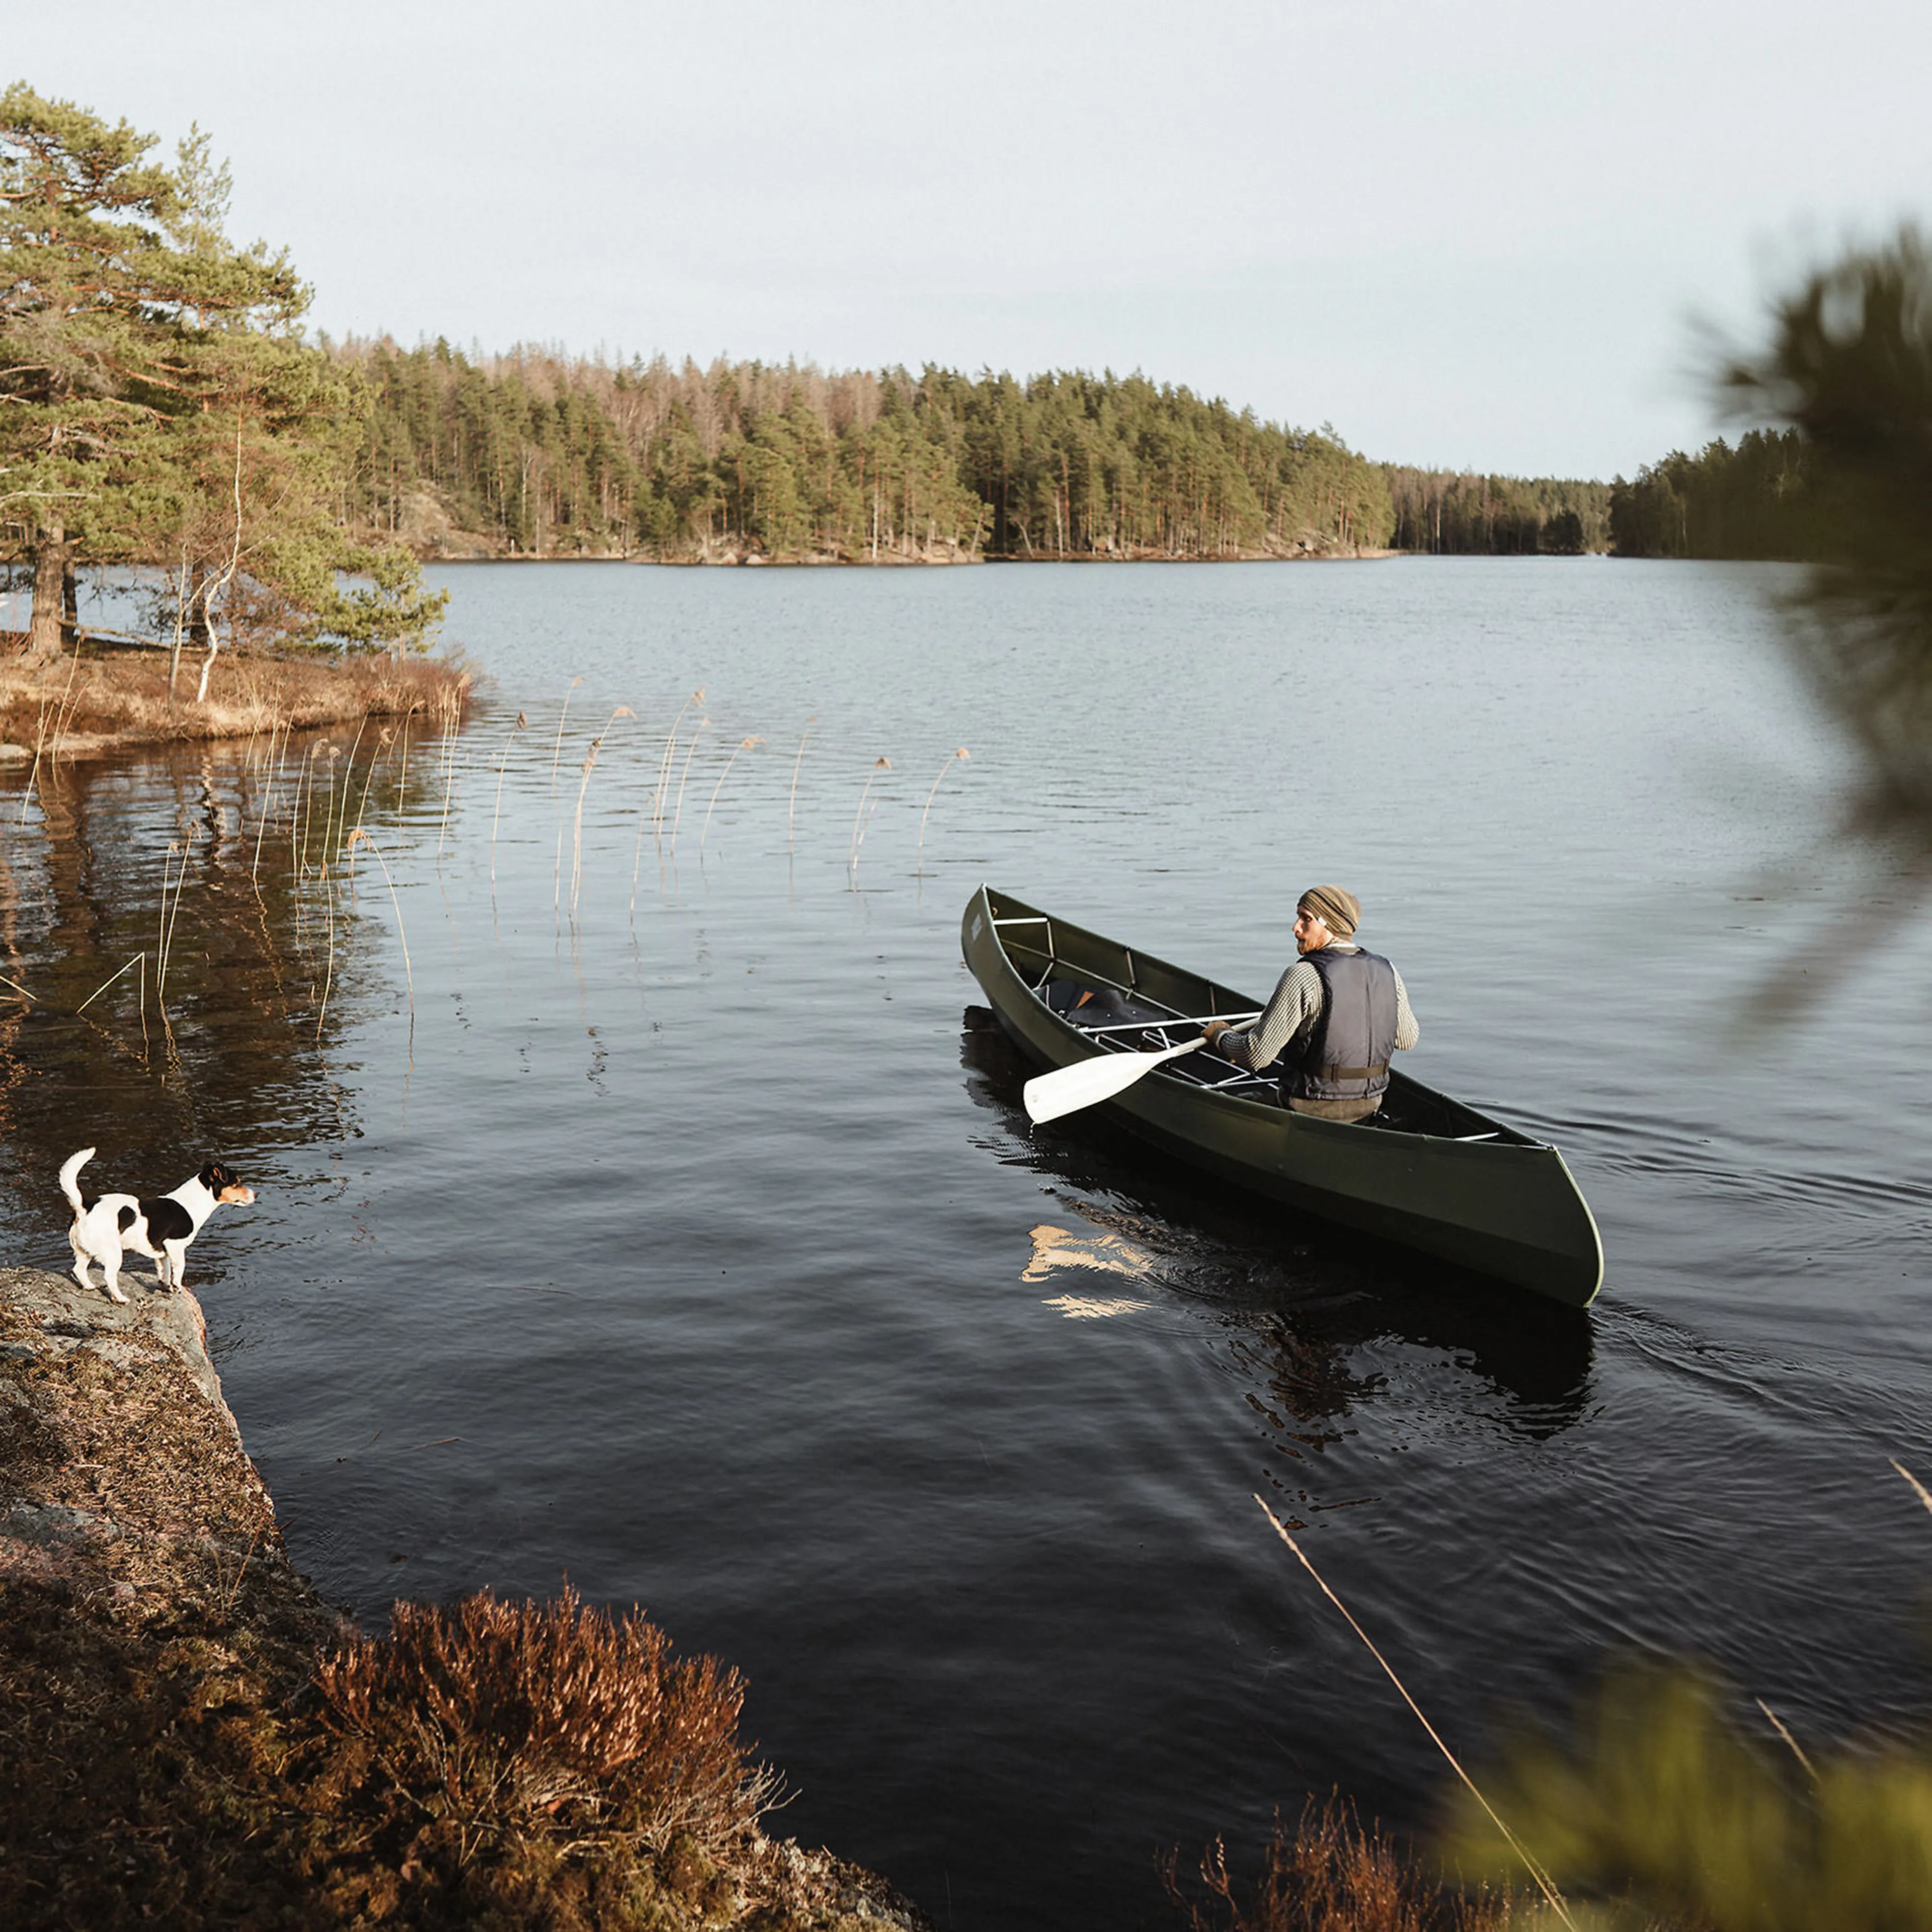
679, 1237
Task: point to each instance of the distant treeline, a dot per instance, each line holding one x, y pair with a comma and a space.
1757, 500
1456, 514
548, 455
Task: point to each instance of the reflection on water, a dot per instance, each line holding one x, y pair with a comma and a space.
651, 1221
188, 933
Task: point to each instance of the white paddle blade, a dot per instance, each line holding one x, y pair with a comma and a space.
1087, 1082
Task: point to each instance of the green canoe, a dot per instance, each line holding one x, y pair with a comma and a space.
1426, 1172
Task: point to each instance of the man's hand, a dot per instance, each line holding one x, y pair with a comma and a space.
1216, 1028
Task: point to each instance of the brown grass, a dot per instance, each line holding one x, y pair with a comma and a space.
122, 698
1330, 1874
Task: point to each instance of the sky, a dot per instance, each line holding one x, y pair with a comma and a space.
1470, 234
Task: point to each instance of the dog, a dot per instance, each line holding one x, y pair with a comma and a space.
105, 1230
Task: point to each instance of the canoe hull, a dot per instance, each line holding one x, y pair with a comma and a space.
1504, 1206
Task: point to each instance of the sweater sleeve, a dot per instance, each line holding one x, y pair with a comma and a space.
1407, 1033
1291, 1012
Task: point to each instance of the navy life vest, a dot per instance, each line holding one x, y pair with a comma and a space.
1345, 1055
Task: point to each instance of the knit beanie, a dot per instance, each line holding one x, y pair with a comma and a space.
1336, 907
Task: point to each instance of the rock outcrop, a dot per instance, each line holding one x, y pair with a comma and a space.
168, 1753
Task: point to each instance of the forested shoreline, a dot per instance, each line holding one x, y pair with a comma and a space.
537, 454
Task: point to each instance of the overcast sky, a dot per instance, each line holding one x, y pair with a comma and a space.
1472, 233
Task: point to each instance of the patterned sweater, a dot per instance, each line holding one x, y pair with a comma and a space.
1293, 1010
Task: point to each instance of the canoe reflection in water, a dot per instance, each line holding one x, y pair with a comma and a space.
1306, 1298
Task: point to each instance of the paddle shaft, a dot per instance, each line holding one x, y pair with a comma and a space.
1087, 1082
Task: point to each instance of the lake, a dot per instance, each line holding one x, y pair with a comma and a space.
643, 1201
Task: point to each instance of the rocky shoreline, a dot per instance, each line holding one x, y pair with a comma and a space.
430, 530
165, 1755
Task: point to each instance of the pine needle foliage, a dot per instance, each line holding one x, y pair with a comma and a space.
1664, 1812
1848, 367
159, 403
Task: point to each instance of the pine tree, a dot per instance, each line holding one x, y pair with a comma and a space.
163, 402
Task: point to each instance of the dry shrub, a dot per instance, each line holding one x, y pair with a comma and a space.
1331, 1875
487, 1723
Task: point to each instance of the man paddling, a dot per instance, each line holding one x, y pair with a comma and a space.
1335, 1016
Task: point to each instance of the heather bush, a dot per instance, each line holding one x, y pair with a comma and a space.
475, 1729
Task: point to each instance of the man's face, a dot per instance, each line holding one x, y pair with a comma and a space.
1311, 931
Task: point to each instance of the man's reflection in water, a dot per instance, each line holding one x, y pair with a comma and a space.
1304, 1299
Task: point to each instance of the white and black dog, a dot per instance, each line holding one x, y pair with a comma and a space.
120, 1224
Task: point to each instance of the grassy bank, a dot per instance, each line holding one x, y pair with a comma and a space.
102, 699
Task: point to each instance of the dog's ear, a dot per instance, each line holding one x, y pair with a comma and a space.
215, 1176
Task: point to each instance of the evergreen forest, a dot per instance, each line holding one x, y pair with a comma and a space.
537, 454
546, 455
1752, 501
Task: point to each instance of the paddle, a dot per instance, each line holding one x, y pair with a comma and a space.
1087, 1082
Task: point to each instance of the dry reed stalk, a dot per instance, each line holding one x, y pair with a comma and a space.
402, 777
743, 744
665, 763
791, 804
577, 833
382, 737
956, 758
860, 820
328, 812
328, 969
684, 779
21, 990
298, 825
106, 983
161, 919
447, 703
337, 827
40, 731
1918, 1488
1543, 1882
362, 835
502, 764
61, 712
165, 948
268, 805
27, 790
181, 885
1797, 1749
556, 757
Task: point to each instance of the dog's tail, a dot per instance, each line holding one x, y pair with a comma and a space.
70, 1179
